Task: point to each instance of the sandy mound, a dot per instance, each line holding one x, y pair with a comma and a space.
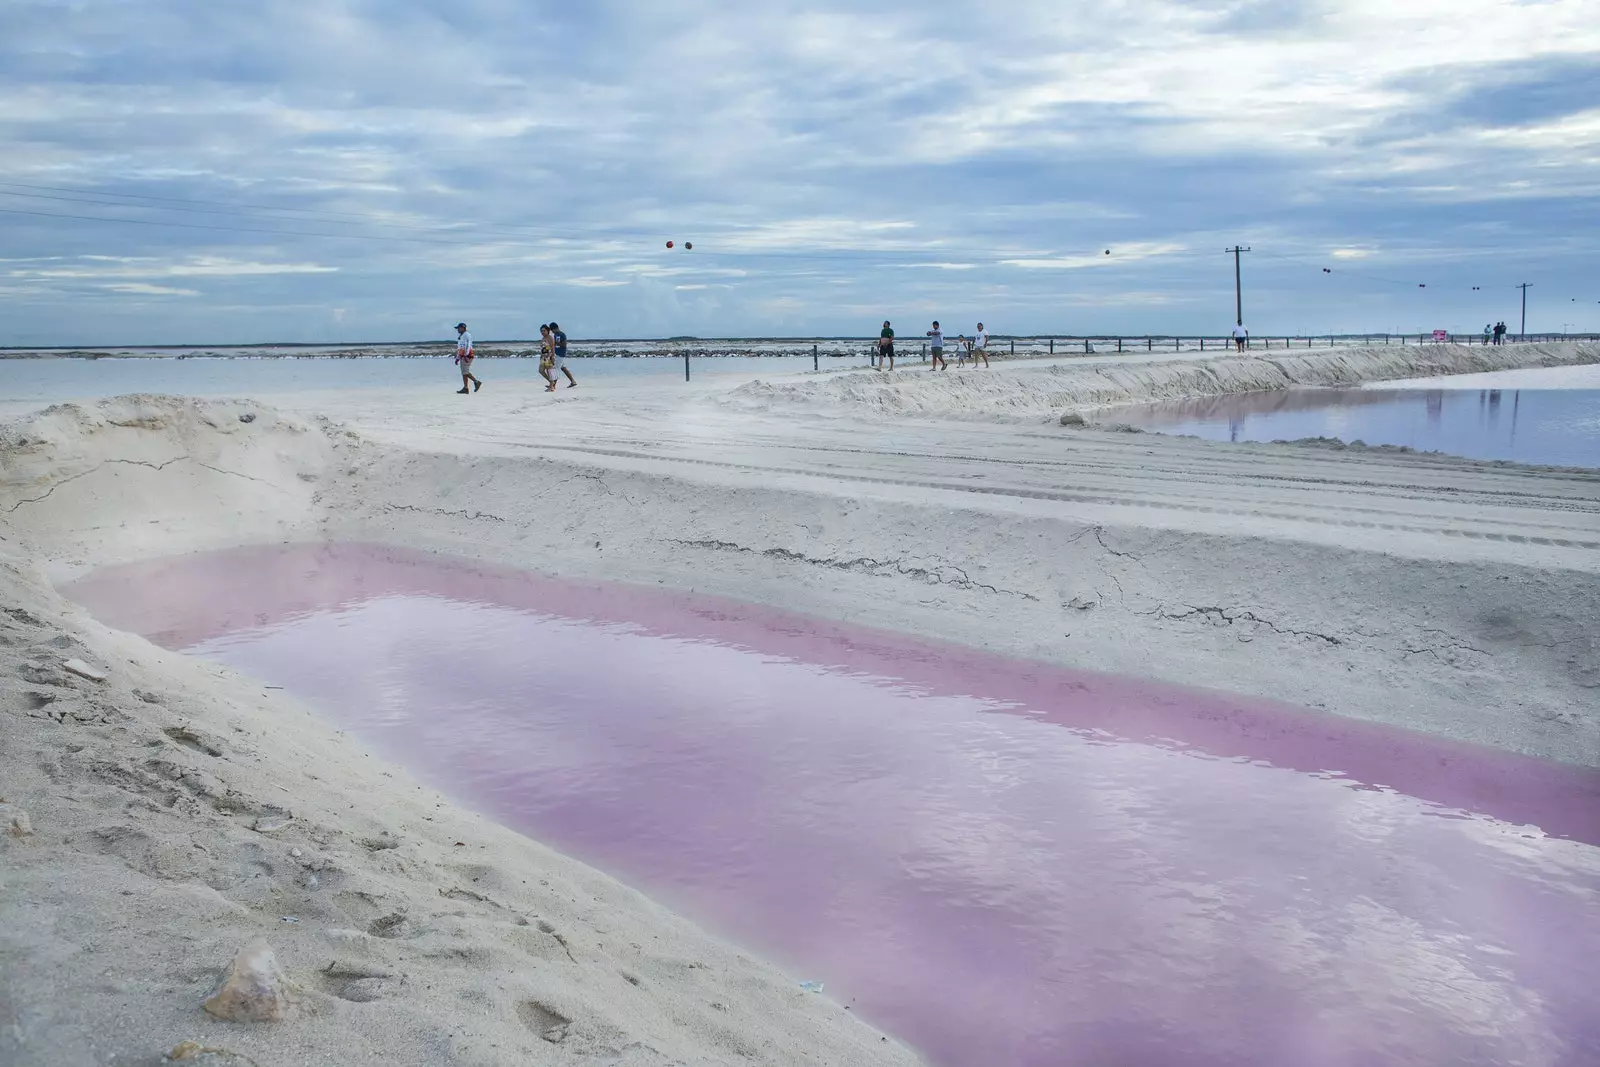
1023, 391
153, 475
158, 814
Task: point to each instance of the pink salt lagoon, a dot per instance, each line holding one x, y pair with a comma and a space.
1004, 863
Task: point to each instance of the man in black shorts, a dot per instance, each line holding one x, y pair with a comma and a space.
886, 346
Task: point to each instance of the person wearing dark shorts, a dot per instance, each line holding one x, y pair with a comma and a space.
558, 342
936, 347
886, 346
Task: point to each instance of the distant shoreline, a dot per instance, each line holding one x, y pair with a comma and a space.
677, 347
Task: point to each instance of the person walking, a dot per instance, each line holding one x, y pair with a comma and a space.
963, 346
1500, 333
547, 357
886, 345
936, 347
1241, 336
558, 342
464, 359
980, 346
1488, 331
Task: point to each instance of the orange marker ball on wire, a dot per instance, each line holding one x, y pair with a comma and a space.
669, 244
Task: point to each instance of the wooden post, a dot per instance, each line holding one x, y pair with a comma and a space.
685, 364
813, 357
1085, 346
1052, 346
1013, 346
1119, 344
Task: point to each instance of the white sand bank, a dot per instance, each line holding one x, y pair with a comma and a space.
1035, 391
1443, 595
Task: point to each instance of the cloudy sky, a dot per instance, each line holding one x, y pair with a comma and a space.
227, 171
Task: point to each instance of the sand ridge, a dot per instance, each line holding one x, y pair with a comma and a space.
1035, 390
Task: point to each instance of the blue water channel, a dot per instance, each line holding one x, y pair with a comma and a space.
1554, 426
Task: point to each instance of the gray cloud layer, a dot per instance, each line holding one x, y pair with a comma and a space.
338, 170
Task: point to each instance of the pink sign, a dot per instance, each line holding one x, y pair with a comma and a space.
1441, 335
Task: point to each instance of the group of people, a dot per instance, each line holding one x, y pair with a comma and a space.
1494, 335
552, 358
974, 348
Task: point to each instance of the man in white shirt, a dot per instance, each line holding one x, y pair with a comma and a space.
936, 347
464, 358
1240, 336
980, 346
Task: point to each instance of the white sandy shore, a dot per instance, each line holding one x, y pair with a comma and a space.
1444, 595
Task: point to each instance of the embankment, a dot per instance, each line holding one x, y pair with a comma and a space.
157, 813
1026, 391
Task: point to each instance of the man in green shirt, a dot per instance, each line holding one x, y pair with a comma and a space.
886, 346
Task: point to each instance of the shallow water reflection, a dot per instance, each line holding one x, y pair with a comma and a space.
1004, 863
1560, 427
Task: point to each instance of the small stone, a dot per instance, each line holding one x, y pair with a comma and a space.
248, 416
296, 853
255, 989
16, 821
1072, 418
83, 670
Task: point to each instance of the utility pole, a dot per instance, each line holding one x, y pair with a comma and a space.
1524, 288
1238, 292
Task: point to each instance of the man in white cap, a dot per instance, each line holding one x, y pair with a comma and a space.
464, 358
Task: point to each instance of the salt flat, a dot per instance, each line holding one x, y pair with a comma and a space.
1441, 595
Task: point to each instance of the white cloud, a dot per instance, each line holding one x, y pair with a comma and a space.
144, 289
1106, 257
152, 267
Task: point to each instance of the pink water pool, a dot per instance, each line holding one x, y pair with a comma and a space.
1002, 862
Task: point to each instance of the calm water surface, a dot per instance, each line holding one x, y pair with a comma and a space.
1002, 862
1527, 424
